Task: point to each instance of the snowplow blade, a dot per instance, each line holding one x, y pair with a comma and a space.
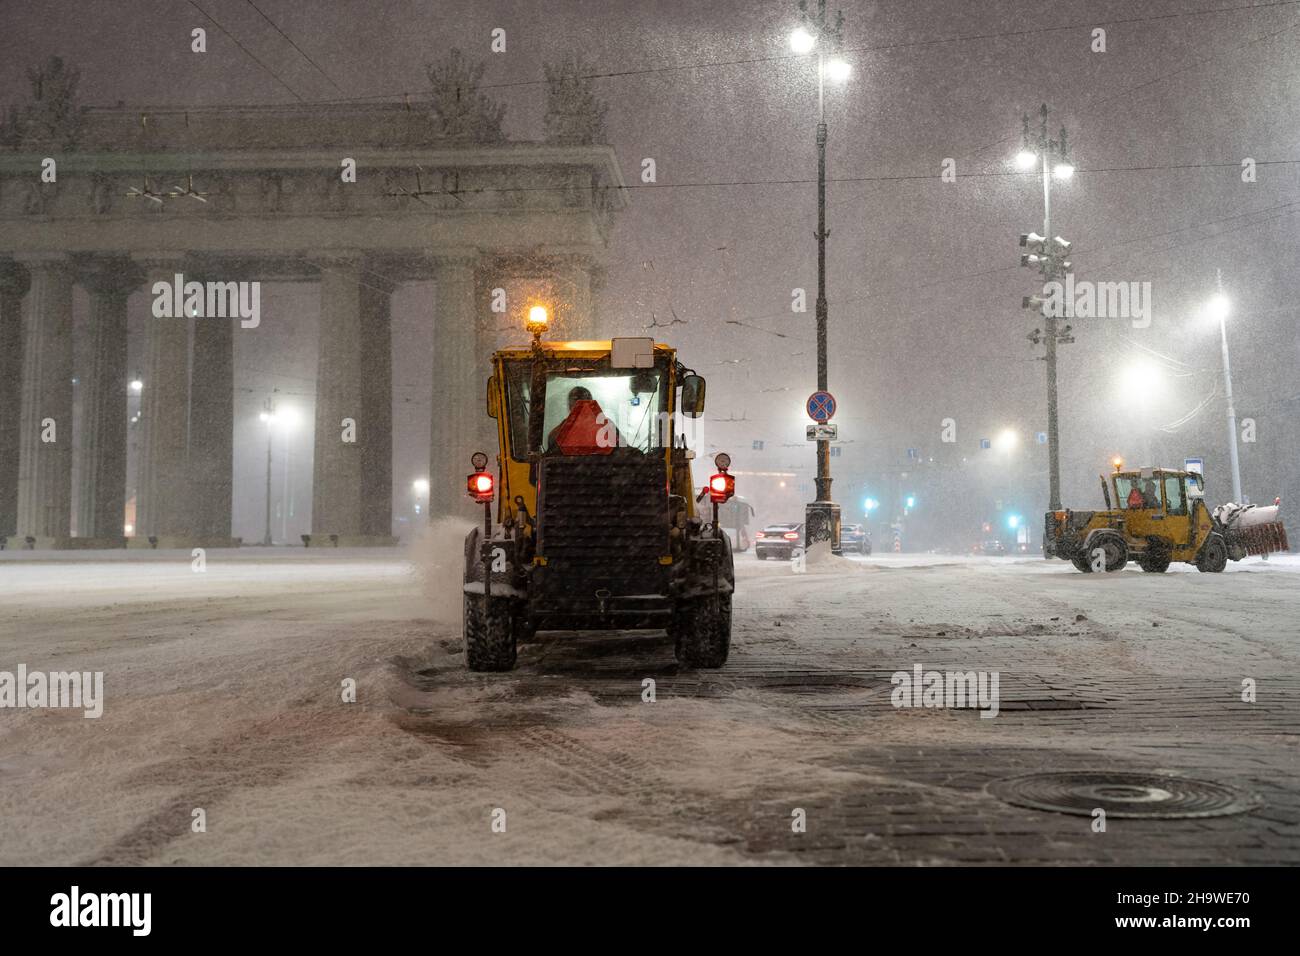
1268, 538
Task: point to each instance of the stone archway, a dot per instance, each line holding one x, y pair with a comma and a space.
260, 194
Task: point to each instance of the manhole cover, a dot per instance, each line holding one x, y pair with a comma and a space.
1140, 795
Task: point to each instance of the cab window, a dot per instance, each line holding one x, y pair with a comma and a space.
518, 384
631, 402
635, 402
1175, 503
1123, 488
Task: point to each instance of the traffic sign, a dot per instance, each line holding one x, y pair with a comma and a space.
822, 432
1196, 465
821, 406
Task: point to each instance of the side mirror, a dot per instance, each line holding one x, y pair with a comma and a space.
692, 405
492, 397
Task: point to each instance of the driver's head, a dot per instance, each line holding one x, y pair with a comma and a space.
578, 393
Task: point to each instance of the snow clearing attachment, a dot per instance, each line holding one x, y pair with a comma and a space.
595, 523
1155, 517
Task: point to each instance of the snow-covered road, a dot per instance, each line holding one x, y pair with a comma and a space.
223, 692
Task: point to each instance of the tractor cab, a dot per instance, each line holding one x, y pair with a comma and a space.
591, 521
1159, 502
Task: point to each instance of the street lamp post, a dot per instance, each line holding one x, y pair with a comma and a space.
822, 517
268, 416
1052, 265
1219, 309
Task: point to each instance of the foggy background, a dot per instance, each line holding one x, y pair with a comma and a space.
924, 284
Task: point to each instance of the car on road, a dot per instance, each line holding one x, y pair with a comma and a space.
991, 547
854, 537
778, 540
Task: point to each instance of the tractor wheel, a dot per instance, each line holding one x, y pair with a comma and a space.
1214, 554
1156, 560
1115, 548
701, 631
1080, 563
525, 630
490, 634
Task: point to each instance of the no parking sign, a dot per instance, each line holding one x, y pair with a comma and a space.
821, 406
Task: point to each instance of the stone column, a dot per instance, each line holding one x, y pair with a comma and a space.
103, 434
573, 289
45, 443
164, 502
458, 388
352, 496
14, 283
377, 398
212, 421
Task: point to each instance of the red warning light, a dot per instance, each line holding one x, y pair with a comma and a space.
480, 486
721, 487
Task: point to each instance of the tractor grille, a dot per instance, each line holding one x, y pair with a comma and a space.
603, 520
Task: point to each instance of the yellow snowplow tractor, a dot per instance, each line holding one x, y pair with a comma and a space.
590, 520
1156, 516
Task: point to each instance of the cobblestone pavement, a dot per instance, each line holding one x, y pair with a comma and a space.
222, 692
1086, 684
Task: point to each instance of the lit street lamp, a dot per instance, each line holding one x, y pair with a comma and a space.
1218, 308
286, 418
421, 488
822, 517
1144, 382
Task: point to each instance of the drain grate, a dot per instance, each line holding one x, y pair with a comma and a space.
1149, 796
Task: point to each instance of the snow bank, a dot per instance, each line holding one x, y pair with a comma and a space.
818, 559
438, 556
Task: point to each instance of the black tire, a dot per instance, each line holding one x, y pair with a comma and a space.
1156, 560
525, 630
490, 635
701, 632
1213, 556
1081, 563
1114, 545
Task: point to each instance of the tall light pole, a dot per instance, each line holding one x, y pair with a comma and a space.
822, 517
1048, 255
1219, 308
268, 416
135, 389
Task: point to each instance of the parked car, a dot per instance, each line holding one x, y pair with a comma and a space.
778, 540
854, 537
991, 547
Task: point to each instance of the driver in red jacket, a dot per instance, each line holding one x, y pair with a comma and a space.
1135, 499
586, 430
